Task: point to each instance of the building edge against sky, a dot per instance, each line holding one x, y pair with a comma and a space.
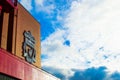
19, 44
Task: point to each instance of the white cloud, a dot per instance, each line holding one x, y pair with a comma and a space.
39, 2
91, 25
41, 6
27, 4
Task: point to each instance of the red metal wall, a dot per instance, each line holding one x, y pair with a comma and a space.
18, 68
13, 66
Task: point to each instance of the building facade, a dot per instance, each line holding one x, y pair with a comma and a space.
19, 44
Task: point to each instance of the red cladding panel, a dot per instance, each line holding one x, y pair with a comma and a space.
11, 65
13, 3
28, 72
18, 68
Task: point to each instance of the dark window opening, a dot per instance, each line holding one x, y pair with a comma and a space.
6, 77
10, 30
1, 24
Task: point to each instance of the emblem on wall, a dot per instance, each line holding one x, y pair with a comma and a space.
29, 51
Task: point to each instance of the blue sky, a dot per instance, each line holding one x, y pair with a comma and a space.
79, 38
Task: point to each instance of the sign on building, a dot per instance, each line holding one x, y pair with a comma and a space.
29, 51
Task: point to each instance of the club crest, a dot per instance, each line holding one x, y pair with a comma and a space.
28, 47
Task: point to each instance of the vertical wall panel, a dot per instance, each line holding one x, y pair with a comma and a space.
4, 30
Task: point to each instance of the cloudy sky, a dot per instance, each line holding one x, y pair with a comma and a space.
79, 38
